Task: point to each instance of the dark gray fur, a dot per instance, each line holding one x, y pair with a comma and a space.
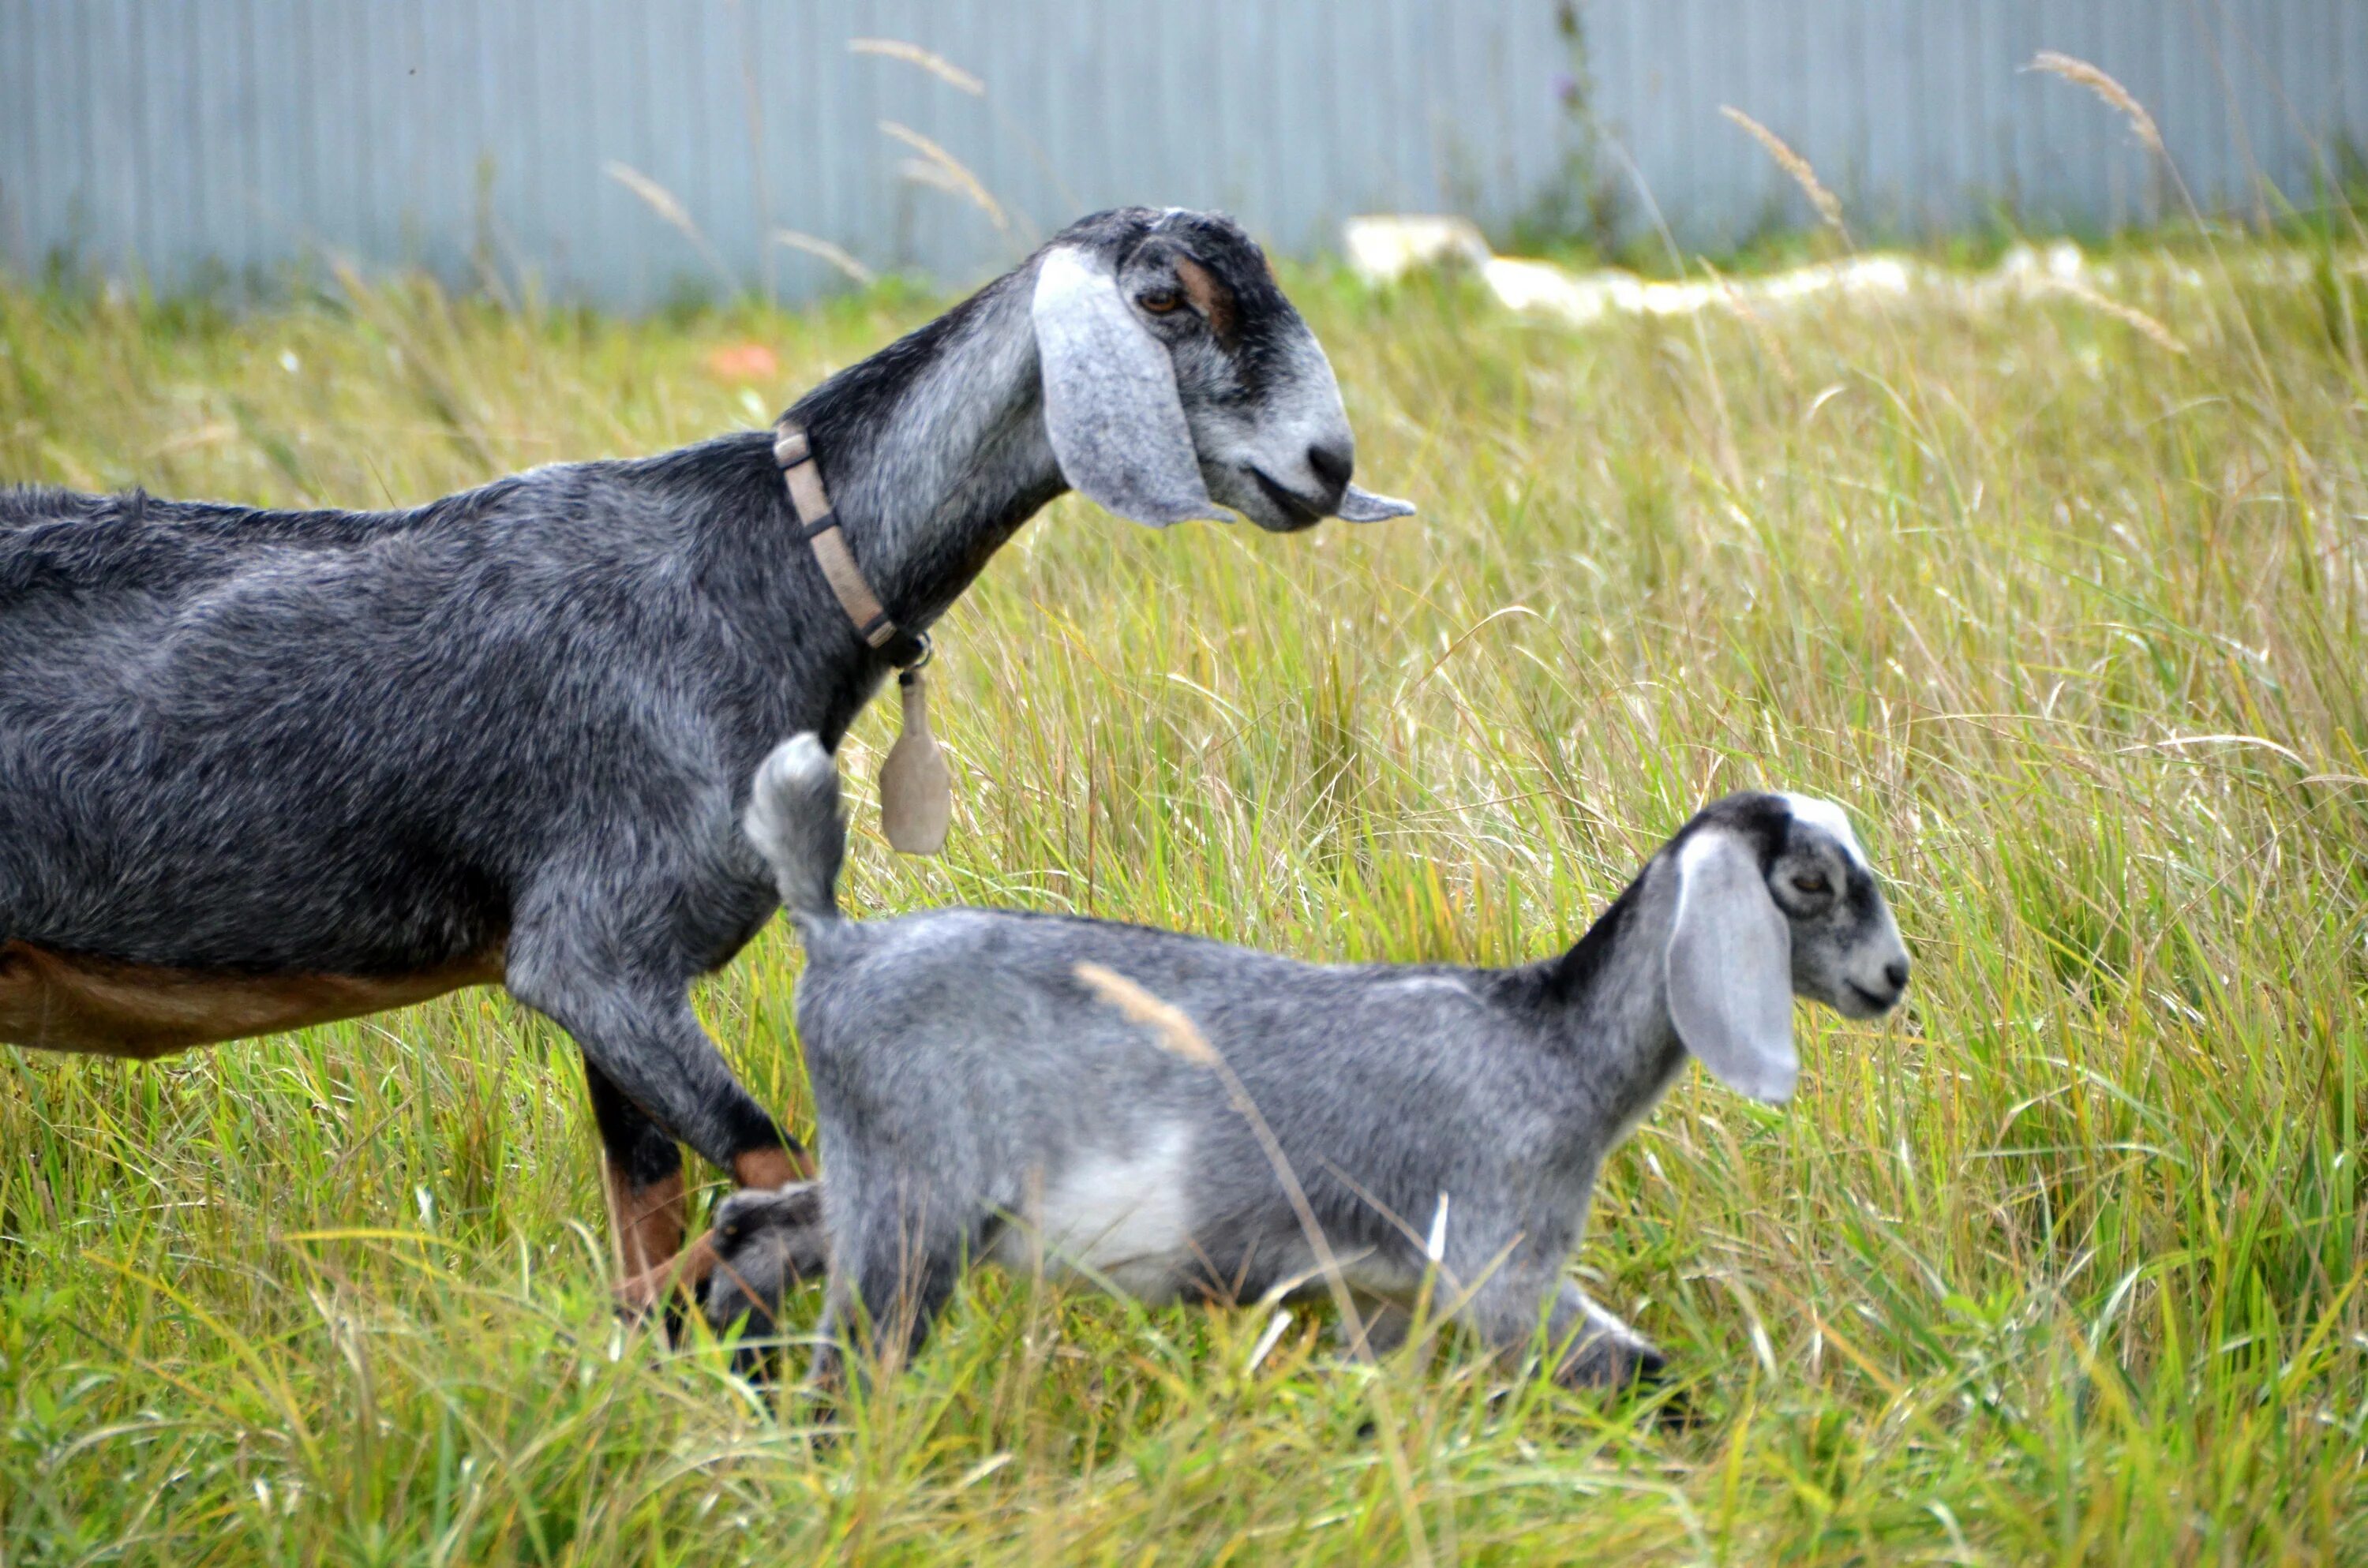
521, 721
978, 1100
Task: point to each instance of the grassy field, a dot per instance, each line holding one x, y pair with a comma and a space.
2063, 1264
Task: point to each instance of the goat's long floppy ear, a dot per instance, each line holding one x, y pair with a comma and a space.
1730, 969
1110, 397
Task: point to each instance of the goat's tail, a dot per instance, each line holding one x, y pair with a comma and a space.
793, 820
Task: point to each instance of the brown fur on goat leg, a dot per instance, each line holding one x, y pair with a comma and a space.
645, 1222
651, 1275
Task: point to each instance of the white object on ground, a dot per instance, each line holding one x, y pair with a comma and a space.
1388, 247
1383, 248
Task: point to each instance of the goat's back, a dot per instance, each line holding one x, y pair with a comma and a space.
341, 742
969, 1034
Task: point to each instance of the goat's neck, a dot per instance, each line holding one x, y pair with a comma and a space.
935, 450
1609, 996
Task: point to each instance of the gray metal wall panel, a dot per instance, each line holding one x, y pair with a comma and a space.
186, 137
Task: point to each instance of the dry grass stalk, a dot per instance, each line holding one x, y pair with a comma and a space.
662, 202
1830, 207
812, 244
940, 168
2105, 87
2147, 326
1175, 1031
937, 66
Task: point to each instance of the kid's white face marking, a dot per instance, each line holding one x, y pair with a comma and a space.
1125, 1218
1824, 814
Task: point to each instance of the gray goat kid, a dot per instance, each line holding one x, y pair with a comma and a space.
260, 769
979, 1098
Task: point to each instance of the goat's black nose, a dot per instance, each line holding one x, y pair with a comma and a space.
1895, 971
1333, 465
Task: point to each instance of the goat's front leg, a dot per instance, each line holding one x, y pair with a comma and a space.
641, 1178
897, 1249
662, 1078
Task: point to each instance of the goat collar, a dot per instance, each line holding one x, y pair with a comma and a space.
818, 525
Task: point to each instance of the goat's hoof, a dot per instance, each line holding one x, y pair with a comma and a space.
667, 1287
1674, 1410
1648, 1379
636, 1298
1668, 1402
1649, 1367
646, 1296
1611, 1365
768, 1241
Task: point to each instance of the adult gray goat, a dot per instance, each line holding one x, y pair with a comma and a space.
261, 769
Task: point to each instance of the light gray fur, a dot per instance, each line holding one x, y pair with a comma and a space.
977, 1100
1111, 409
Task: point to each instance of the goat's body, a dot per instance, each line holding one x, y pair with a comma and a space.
57, 1001
906, 1022
278, 744
265, 768
1009, 1085
977, 1097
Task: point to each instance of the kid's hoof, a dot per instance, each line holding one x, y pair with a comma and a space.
1651, 1368
1674, 1410
1647, 1378
1613, 1362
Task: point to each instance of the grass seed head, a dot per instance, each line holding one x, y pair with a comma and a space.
1168, 1026
2104, 86
1829, 206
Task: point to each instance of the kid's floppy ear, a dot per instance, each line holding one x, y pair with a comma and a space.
1730, 970
1110, 398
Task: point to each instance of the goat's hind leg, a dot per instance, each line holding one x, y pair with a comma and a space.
1590, 1347
1595, 1349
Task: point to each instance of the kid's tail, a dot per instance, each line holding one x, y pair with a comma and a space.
793, 820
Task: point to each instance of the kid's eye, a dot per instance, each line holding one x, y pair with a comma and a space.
1159, 302
1812, 882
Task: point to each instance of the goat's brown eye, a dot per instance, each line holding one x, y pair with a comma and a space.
1812, 883
1159, 302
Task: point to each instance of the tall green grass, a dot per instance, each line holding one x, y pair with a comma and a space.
2064, 1264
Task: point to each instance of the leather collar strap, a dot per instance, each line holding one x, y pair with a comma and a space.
818, 525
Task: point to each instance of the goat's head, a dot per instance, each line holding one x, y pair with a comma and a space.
1178, 378
1774, 900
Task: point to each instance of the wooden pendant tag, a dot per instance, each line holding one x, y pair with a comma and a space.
916, 789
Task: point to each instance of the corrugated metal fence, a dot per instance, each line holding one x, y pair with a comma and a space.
196, 138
